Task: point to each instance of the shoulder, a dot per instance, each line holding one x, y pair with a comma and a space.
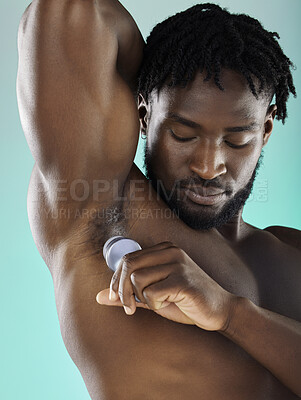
287, 235
282, 277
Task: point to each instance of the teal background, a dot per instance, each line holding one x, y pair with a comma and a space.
34, 362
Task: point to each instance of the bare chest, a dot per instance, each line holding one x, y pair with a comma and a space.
147, 354
168, 359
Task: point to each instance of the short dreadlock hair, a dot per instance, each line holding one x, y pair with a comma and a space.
208, 37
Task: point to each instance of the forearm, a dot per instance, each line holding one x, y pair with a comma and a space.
130, 40
272, 339
111, 16
69, 86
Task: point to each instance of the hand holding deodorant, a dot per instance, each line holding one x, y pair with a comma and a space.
117, 247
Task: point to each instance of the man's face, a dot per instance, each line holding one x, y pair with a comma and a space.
203, 147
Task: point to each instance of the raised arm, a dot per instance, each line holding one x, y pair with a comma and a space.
78, 62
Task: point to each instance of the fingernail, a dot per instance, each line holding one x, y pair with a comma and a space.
112, 295
128, 310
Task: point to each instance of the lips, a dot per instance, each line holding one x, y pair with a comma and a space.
204, 192
198, 197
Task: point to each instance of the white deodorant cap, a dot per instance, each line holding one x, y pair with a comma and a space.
117, 247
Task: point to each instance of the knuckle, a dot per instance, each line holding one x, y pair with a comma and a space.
114, 285
120, 292
125, 258
124, 298
157, 305
148, 292
181, 291
177, 252
150, 296
180, 269
168, 243
127, 262
135, 278
114, 279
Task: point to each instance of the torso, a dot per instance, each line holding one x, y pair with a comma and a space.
144, 355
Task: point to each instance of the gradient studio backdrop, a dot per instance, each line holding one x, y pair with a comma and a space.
34, 362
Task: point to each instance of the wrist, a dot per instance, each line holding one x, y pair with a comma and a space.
236, 308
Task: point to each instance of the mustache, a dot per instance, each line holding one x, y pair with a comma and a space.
204, 183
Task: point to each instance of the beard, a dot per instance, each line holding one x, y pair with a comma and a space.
198, 216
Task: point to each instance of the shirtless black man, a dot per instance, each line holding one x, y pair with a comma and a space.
220, 307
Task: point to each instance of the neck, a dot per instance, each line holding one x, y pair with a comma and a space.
236, 229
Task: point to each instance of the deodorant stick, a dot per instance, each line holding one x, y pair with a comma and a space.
117, 247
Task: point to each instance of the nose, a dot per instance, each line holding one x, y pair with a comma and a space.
208, 161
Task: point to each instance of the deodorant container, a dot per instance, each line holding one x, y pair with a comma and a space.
117, 247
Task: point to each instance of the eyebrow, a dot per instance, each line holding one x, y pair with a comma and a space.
195, 125
183, 121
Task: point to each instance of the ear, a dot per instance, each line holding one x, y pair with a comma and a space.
143, 110
269, 123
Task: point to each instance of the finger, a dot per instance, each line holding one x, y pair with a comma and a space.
157, 246
161, 253
126, 291
167, 290
103, 299
114, 284
144, 277
167, 310
173, 313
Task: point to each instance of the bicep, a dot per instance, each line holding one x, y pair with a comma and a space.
78, 115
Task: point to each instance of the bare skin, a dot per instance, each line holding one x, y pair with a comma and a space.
82, 124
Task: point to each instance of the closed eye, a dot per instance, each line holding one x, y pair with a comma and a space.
237, 146
180, 139
232, 145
